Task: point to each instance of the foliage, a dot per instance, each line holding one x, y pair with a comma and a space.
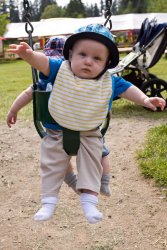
10, 7
52, 11
92, 10
139, 6
45, 3
41, 9
132, 6
157, 6
3, 23
75, 8
14, 12
153, 158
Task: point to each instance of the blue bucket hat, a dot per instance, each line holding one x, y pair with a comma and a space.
54, 46
99, 33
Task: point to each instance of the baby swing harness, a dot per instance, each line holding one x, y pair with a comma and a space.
71, 139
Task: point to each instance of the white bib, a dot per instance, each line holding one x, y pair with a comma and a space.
79, 104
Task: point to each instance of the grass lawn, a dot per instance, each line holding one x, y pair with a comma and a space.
153, 158
15, 77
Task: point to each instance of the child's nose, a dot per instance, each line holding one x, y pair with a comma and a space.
88, 60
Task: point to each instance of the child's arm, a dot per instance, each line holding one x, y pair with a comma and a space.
23, 99
135, 95
36, 59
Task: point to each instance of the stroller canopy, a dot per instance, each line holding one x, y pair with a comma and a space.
152, 40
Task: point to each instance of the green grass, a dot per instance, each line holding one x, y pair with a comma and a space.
159, 69
153, 158
126, 109
16, 76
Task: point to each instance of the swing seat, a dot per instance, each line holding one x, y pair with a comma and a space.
40, 111
42, 115
41, 103
71, 139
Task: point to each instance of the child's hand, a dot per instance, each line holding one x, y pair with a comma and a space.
11, 118
154, 102
21, 49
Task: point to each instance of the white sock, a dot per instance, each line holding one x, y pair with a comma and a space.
47, 209
88, 203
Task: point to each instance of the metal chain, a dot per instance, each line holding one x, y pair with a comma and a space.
28, 26
108, 13
26, 5
29, 29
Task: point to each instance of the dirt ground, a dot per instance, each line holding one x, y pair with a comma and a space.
135, 217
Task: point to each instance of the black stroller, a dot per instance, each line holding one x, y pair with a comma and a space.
150, 46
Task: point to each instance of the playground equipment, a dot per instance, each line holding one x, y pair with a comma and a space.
41, 115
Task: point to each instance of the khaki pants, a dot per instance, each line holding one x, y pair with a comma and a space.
54, 162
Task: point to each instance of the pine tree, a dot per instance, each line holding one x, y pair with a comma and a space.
14, 12
75, 8
96, 11
10, 8
132, 6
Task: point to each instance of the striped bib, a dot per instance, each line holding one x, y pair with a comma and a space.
79, 104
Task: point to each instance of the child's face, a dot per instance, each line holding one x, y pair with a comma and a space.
88, 58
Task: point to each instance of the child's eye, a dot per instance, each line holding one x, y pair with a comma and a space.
82, 54
97, 58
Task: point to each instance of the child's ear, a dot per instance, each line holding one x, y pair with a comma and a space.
70, 55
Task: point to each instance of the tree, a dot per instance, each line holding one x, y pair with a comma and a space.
96, 11
3, 7
14, 12
157, 6
102, 8
45, 3
52, 11
92, 10
10, 8
132, 6
115, 7
35, 10
3, 23
38, 7
75, 8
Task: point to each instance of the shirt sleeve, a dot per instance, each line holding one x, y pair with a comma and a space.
54, 65
119, 85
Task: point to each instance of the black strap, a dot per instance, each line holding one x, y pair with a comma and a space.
107, 122
37, 123
71, 141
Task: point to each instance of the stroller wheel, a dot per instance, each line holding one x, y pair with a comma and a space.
152, 76
155, 87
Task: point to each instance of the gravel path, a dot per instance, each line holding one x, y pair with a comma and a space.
135, 217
